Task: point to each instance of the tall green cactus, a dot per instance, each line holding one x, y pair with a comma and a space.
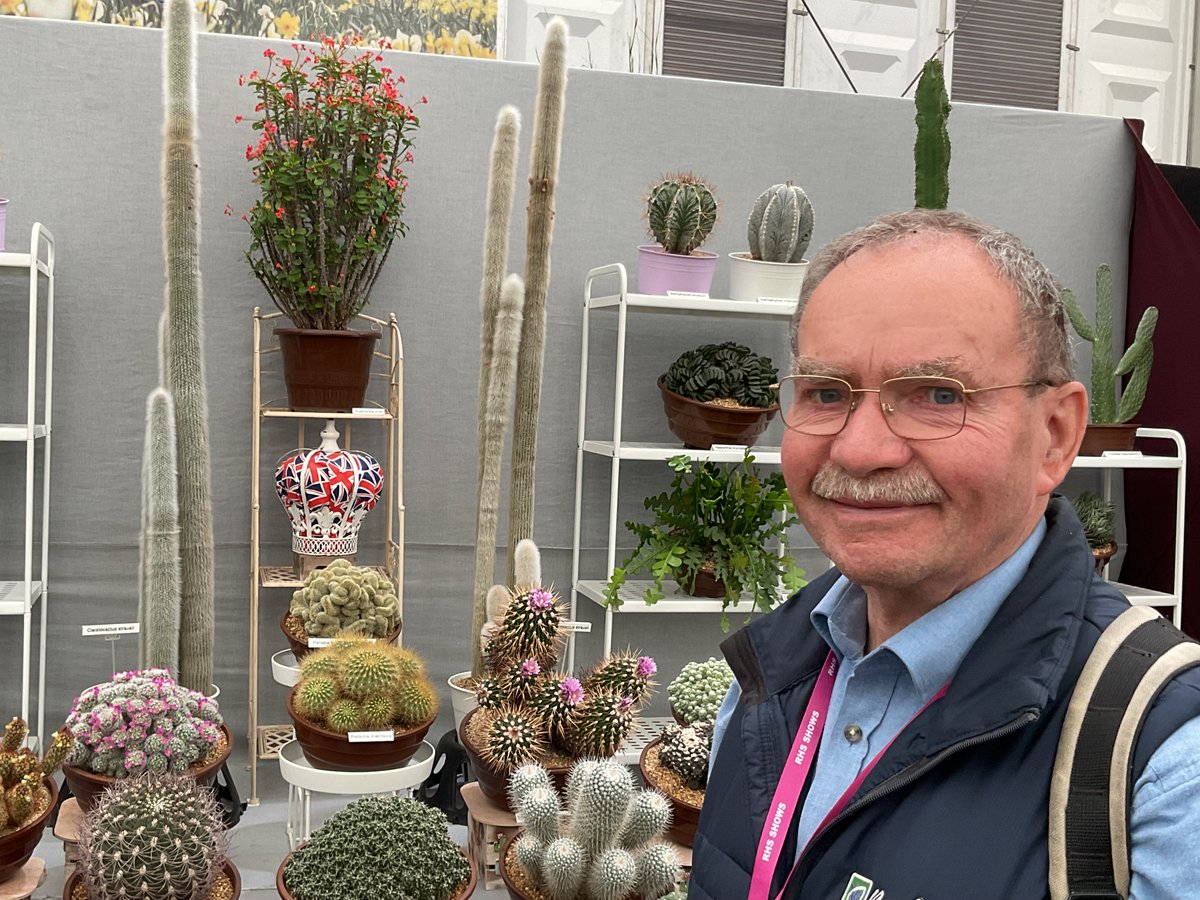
932, 150
1135, 362
539, 228
158, 573
185, 347
780, 224
682, 210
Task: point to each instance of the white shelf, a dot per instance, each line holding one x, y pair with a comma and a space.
646, 729
711, 306
1127, 462
281, 412
1140, 596
21, 261
12, 432
643, 450
674, 599
13, 601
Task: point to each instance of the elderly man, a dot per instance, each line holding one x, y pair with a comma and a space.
931, 413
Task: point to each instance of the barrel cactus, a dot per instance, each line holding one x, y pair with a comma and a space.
345, 596
23, 792
150, 837
697, 691
780, 224
728, 371
685, 752
682, 211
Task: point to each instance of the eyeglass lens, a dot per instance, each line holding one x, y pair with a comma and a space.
914, 408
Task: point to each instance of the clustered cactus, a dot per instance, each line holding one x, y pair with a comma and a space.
606, 845
1099, 518
361, 684
780, 224
141, 721
345, 596
682, 211
697, 691
151, 837
685, 752
378, 847
724, 371
23, 792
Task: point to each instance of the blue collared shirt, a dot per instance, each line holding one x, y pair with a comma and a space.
877, 693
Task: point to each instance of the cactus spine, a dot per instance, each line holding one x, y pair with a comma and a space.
780, 224
682, 211
1135, 362
932, 150
158, 574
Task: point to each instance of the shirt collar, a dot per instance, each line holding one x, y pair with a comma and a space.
932, 647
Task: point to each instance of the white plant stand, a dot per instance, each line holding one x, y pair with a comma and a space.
18, 598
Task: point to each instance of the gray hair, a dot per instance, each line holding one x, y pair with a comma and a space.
1042, 326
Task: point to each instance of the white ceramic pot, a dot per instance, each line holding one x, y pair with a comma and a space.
751, 278
462, 699
50, 9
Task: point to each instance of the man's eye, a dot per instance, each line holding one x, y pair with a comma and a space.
944, 396
827, 396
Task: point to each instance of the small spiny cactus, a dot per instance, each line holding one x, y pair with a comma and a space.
780, 224
682, 211
512, 737
697, 691
685, 752
531, 627
555, 701
624, 674
600, 725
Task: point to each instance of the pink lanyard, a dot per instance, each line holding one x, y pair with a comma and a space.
795, 774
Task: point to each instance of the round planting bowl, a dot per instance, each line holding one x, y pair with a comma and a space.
1098, 438
300, 649
492, 781
700, 425
75, 881
16, 848
327, 749
684, 816
467, 890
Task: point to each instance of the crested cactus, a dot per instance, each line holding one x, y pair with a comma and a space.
682, 210
697, 691
1099, 519
512, 737
345, 596
780, 224
23, 793
530, 626
624, 674
1135, 362
932, 149
727, 371
685, 751
158, 572
170, 825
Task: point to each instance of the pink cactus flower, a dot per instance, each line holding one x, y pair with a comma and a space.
530, 668
541, 599
625, 703
646, 667
572, 690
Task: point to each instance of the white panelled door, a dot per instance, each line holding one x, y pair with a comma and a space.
598, 31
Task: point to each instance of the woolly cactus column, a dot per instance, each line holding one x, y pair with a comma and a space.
158, 575
932, 150
184, 348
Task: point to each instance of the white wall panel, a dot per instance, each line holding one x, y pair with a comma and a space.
599, 31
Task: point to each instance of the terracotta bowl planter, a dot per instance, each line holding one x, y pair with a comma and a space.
300, 649
75, 879
329, 750
1098, 438
1103, 554
700, 425
326, 370
88, 786
684, 816
493, 782
18, 847
463, 894
704, 585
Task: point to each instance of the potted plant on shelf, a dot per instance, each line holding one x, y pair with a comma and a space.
1109, 427
697, 691
361, 704
710, 534
334, 137
676, 763
719, 394
172, 828
378, 847
681, 211
606, 842
142, 721
28, 793
339, 598
778, 231
1099, 519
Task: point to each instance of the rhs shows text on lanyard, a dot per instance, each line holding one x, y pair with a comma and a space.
795, 774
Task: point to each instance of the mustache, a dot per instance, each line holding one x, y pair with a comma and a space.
832, 482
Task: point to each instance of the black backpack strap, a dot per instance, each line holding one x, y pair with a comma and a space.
1092, 784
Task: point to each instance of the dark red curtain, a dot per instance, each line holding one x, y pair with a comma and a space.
1164, 271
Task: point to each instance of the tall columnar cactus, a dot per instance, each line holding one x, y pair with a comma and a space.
158, 574
539, 227
185, 346
682, 211
780, 224
1135, 362
932, 150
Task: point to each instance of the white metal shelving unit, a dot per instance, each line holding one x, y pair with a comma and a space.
18, 598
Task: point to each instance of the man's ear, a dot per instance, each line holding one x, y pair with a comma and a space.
1064, 419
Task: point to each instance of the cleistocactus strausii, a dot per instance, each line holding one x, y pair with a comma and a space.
142, 721
151, 837
697, 691
606, 844
931, 152
682, 211
728, 371
158, 572
780, 224
685, 751
345, 596
23, 792
1135, 362
1099, 518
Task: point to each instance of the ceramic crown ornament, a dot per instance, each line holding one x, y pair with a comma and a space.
327, 492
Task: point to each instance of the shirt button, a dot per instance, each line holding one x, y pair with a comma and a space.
853, 733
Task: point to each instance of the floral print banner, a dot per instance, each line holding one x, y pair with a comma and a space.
455, 27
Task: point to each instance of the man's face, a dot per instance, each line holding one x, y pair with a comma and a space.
956, 507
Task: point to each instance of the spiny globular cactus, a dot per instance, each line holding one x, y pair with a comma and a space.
150, 837
23, 792
345, 596
555, 701
697, 691
932, 149
682, 211
685, 752
780, 224
530, 627
624, 674
512, 737
600, 725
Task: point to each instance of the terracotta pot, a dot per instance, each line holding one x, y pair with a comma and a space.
704, 585
1099, 438
326, 370
700, 425
684, 816
493, 782
301, 649
231, 870
88, 786
16, 848
466, 892
329, 750
1103, 554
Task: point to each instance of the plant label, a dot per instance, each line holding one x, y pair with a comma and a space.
736, 448
1122, 454
369, 411
116, 628
371, 737
694, 295
316, 642
580, 627
779, 301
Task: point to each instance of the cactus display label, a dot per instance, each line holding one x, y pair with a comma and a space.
114, 628
371, 737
